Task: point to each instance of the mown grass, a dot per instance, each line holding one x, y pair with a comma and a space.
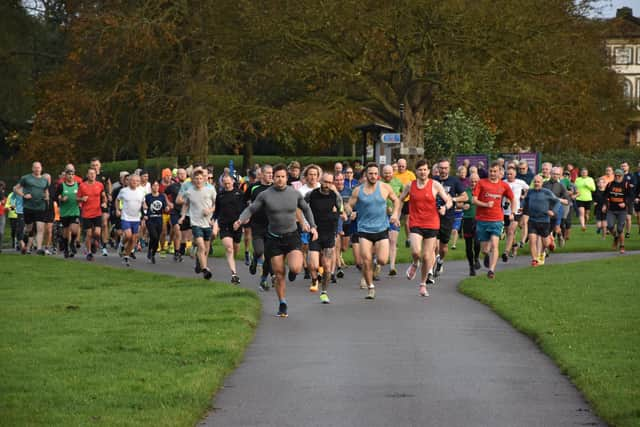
585, 316
83, 344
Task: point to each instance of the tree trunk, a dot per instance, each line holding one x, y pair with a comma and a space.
413, 135
142, 148
247, 152
200, 141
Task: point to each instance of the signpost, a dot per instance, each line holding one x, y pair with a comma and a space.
391, 138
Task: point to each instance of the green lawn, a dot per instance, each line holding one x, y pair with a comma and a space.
585, 316
84, 344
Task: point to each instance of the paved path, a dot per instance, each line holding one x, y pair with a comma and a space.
400, 360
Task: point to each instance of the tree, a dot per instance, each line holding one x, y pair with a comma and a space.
457, 133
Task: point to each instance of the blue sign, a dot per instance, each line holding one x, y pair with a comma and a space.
391, 138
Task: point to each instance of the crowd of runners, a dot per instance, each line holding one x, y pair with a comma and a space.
293, 220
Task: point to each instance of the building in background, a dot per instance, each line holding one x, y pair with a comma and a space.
623, 47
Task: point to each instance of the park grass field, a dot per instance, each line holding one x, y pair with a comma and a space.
585, 317
84, 344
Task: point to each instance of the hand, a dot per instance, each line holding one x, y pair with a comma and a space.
314, 233
27, 196
306, 228
622, 205
394, 220
181, 220
236, 224
216, 227
118, 213
442, 210
490, 204
354, 214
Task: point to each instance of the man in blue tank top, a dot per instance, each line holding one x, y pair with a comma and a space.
369, 200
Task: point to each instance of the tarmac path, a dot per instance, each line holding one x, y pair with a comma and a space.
400, 360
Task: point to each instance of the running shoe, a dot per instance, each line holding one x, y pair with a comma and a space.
133, 255
89, 257
197, 268
622, 249
153, 259
104, 251
491, 274
333, 278
505, 257
430, 279
125, 261
307, 275
534, 263
314, 285
423, 290
412, 270
371, 293
376, 271
439, 269
340, 273
472, 271
206, 273
627, 235
264, 284
254, 266
453, 247
282, 309
393, 272
552, 244
363, 283
541, 258
292, 276
40, 252
486, 261
247, 258
324, 298
66, 253
235, 279
476, 264
47, 252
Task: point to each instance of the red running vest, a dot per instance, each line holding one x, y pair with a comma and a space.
423, 212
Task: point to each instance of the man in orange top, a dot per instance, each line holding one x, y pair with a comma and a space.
487, 197
92, 200
405, 177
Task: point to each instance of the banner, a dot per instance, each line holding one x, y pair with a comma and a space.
533, 159
474, 159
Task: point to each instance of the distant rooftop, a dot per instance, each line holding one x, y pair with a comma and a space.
624, 25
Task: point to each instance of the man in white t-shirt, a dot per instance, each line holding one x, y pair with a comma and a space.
131, 198
200, 201
519, 188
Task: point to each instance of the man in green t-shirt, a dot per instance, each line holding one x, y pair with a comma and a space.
397, 187
69, 211
34, 189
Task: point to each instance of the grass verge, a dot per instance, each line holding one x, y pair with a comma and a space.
86, 344
583, 315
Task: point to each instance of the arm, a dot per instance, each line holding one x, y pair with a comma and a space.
448, 201
352, 201
397, 205
246, 214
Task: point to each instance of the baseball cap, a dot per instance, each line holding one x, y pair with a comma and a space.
166, 172
619, 172
123, 174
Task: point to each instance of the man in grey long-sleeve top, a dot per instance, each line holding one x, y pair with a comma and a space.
280, 203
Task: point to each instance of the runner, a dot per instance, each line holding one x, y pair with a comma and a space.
69, 212
230, 203
424, 223
33, 190
539, 203
280, 203
405, 177
600, 201
617, 193
585, 186
92, 199
394, 231
326, 206
629, 178
311, 175
132, 200
561, 192
487, 196
155, 205
259, 224
104, 207
471, 243
175, 211
454, 188
519, 189
370, 201
199, 201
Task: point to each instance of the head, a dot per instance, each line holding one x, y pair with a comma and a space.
144, 177
134, 181
198, 178
422, 170
537, 182
280, 176
443, 168
338, 181
523, 167
462, 172
337, 168
155, 187
495, 172
472, 170
511, 174
294, 170
556, 173
348, 173
584, 172
602, 184
387, 173
326, 183
227, 183
181, 174
402, 165
36, 168
466, 163
619, 175
69, 173
91, 174
545, 170
625, 167
312, 175
266, 175
474, 178
608, 170
95, 163
166, 175
371, 173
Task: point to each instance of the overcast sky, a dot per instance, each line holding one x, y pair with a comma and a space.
609, 7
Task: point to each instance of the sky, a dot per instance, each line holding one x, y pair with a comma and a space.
609, 7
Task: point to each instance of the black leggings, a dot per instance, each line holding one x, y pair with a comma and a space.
154, 228
472, 248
